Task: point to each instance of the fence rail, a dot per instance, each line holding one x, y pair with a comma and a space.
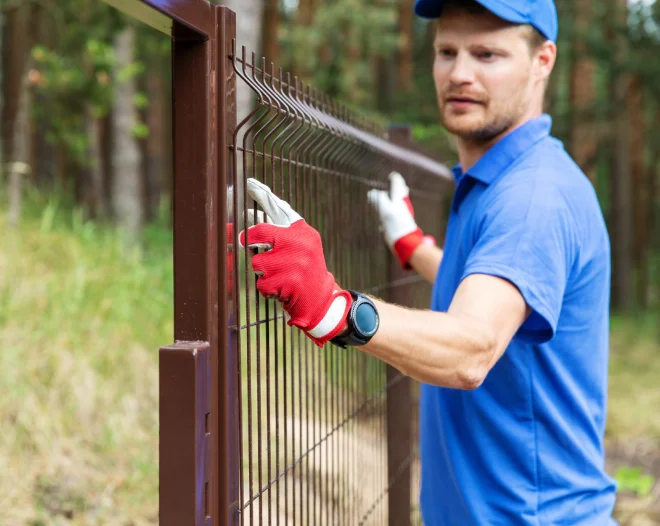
257, 425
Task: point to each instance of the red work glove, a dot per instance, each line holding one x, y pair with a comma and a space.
397, 218
293, 268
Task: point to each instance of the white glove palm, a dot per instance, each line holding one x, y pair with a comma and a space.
396, 216
397, 219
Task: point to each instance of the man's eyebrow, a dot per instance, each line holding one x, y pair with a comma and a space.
492, 47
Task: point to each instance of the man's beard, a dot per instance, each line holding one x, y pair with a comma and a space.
495, 127
503, 118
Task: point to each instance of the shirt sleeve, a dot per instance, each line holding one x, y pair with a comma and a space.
526, 236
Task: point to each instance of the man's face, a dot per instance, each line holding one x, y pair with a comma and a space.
483, 74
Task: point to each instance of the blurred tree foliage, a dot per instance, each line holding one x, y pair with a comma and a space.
335, 48
72, 64
374, 55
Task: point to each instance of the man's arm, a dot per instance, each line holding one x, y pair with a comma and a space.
426, 261
455, 349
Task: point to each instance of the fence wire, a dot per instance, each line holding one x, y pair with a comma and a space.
313, 439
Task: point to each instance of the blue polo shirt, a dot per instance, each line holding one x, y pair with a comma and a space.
525, 448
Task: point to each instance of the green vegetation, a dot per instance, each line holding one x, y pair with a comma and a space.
82, 319
635, 481
634, 371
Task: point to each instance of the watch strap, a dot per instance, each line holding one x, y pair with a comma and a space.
351, 337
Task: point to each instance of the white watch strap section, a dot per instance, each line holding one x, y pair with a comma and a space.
331, 319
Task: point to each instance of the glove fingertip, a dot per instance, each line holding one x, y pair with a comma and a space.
398, 186
395, 175
376, 196
263, 233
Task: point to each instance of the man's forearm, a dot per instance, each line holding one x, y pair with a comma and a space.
432, 347
426, 261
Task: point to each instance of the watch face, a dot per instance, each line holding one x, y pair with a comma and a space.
366, 319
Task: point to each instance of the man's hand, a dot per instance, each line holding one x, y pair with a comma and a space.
293, 269
229, 251
397, 218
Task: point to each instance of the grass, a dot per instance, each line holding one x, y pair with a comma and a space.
82, 318
634, 386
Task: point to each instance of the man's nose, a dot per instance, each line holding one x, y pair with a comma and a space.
462, 71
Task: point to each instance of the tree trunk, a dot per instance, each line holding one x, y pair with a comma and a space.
19, 167
305, 18
405, 61
636, 105
18, 40
166, 148
62, 166
43, 162
2, 93
107, 145
582, 93
652, 185
17, 116
91, 176
621, 213
621, 191
126, 200
271, 24
306, 9
385, 73
350, 82
95, 191
154, 148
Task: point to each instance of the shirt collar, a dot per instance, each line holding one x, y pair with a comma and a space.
506, 151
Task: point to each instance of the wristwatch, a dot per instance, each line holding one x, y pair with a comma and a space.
362, 322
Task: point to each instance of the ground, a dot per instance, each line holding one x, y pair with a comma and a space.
81, 322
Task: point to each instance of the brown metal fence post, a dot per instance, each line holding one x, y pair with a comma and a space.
198, 393
195, 416
187, 485
399, 422
226, 385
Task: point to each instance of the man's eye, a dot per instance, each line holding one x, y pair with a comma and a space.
447, 53
486, 55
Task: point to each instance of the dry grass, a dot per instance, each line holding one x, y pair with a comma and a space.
633, 428
81, 321
634, 383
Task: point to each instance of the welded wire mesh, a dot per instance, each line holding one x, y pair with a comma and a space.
313, 438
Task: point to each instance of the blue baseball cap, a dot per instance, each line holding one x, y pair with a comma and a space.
541, 14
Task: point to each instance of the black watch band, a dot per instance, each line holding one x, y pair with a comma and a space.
362, 322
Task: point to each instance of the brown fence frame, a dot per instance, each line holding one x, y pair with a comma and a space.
199, 398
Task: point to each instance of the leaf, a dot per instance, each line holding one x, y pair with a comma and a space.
141, 100
141, 131
632, 479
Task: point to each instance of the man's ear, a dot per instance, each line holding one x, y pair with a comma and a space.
545, 58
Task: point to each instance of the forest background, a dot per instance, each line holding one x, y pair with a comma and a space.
85, 220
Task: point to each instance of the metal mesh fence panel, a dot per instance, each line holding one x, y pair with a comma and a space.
314, 431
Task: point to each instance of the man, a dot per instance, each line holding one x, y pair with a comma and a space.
513, 354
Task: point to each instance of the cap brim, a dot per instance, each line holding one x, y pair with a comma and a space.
433, 9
